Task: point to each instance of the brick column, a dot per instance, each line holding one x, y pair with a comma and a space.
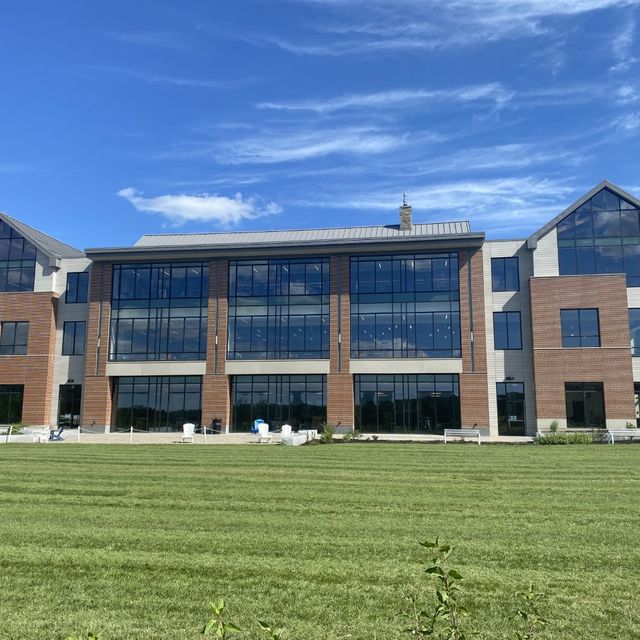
339, 381
96, 393
474, 392
215, 385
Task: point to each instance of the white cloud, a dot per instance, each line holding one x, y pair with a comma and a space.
622, 46
176, 81
628, 123
517, 203
266, 148
220, 210
492, 92
400, 25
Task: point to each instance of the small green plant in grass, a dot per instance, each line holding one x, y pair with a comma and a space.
217, 626
445, 621
90, 636
328, 431
553, 427
272, 632
529, 611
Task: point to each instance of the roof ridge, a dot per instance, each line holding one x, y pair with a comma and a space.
366, 226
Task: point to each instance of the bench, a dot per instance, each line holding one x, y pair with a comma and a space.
461, 433
621, 434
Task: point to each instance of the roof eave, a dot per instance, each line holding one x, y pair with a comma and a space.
340, 246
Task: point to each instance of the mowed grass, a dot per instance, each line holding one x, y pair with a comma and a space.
132, 541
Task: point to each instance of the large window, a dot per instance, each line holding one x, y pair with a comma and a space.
69, 399
580, 327
159, 311
73, 338
507, 332
585, 405
602, 236
505, 274
11, 396
14, 338
17, 260
634, 330
77, 287
162, 403
300, 401
407, 403
510, 396
278, 308
405, 306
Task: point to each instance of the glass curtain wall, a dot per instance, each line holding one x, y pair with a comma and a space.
602, 236
159, 311
585, 405
278, 309
157, 403
298, 400
405, 306
407, 403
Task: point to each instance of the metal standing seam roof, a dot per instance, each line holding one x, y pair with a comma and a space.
52, 247
292, 236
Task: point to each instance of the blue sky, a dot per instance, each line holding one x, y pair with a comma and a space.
124, 118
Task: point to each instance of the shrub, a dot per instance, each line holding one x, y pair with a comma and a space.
553, 427
564, 438
347, 437
17, 429
328, 431
630, 425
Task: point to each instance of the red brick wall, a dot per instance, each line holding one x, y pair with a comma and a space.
339, 381
96, 394
34, 370
474, 394
610, 364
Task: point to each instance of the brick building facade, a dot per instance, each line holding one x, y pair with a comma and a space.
400, 328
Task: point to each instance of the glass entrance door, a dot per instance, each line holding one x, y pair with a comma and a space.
510, 397
69, 400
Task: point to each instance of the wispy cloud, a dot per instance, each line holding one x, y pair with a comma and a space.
403, 25
148, 38
273, 147
492, 92
219, 210
622, 47
176, 81
493, 204
628, 123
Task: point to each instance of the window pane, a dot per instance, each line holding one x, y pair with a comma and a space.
513, 328
498, 274
512, 275
500, 335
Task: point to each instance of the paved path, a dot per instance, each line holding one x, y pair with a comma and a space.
71, 437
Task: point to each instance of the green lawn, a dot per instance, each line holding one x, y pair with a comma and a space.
133, 541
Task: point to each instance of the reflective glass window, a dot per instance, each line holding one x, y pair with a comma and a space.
602, 236
159, 311
14, 338
507, 332
407, 403
279, 309
585, 405
505, 275
298, 400
17, 260
580, 327
77, 287
405, 306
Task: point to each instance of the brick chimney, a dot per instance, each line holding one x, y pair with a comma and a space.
406, 214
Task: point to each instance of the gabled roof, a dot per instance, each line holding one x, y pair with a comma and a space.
311, 236
605, 184
49, 246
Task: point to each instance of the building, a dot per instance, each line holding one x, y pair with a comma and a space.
407, 327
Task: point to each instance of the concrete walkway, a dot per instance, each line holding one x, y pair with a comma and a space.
71, 437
